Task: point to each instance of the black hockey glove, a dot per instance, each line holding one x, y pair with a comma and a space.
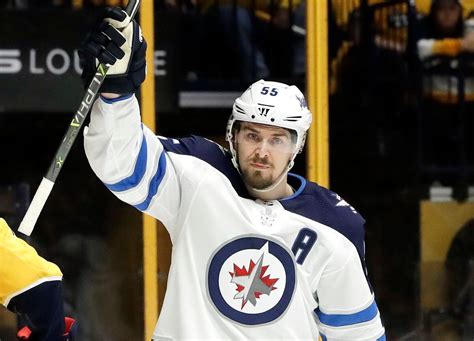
117, 41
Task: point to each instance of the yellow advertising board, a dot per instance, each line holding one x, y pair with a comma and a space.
439, 223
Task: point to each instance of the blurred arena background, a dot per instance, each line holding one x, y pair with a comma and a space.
399, 151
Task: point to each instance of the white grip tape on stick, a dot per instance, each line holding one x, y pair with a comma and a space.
36, 206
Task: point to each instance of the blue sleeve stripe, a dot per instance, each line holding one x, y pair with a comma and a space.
324, 338
118, 99
154, 183
339, 320
137, 175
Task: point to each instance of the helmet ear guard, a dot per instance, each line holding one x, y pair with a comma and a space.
275, 104
303, 140
229, 137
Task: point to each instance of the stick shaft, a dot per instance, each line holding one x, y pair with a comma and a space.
77, 122
42, 193
132, 8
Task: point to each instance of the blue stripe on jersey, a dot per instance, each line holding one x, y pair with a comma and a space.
339, 320
137, 175
113, 100
154, 183
299, 190
324, 337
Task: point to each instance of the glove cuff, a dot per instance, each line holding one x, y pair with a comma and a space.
124, 84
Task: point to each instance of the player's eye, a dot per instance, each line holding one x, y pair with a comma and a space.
253, 137
276, 141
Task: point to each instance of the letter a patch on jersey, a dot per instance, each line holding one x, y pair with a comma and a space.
251, 280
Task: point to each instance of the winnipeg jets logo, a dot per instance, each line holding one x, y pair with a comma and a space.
252, 283
251, 280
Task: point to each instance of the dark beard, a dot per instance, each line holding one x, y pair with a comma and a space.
254, 179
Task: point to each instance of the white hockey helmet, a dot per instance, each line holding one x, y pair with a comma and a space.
275, 104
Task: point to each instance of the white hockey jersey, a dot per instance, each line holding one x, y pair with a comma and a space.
242, 269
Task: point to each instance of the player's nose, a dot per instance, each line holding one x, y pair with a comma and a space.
263, 148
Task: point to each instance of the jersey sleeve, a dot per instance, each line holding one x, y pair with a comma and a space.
22, 268
30, 285
134, 165
327, 207
347, 309
450, 47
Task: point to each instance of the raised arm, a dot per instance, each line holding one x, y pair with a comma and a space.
126, 156
450, 47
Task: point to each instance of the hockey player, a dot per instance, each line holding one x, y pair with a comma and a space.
258, 252
31, 287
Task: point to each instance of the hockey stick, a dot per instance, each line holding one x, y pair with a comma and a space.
47, 183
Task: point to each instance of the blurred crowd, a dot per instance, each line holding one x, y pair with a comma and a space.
64, 4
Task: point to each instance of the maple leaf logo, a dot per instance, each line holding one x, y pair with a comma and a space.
252, 283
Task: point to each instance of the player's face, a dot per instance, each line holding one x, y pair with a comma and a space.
263, 152
448, 15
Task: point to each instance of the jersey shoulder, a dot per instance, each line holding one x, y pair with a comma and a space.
22, 268
208, 151
328, 208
